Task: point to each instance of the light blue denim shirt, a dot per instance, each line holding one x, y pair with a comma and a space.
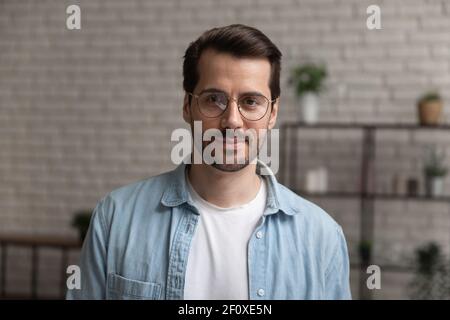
139, 238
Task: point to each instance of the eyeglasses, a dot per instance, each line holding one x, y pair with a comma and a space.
252, 107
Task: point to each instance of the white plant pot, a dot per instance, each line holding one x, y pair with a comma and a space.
435, 186
309, 108
317, 180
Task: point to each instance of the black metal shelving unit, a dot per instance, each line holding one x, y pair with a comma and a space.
288, 173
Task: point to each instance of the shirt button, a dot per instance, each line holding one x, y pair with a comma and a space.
259, 234
260, 292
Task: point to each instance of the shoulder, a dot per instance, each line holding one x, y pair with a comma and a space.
316, 226
154, 186
133, 198
308, 212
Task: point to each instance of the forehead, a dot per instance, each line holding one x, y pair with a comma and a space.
233, 74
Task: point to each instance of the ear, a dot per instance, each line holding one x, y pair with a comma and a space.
186, 109
273, 114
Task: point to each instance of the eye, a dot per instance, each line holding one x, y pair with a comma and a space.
251, 101
214, 98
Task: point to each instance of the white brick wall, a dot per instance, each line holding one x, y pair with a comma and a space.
83, 112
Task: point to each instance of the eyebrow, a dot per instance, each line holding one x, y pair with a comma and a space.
254, 93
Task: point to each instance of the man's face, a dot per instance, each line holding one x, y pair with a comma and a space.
234, 76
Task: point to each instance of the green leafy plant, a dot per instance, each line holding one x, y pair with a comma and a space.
434, 164
428, 97
431, 274
81, 221
365, 251
308, 77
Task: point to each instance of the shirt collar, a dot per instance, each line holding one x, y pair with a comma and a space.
279, 198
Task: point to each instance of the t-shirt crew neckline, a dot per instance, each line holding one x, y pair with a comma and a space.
198, 199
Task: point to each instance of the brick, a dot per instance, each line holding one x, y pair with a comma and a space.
364, 52
376, 66
430, 37
435, 66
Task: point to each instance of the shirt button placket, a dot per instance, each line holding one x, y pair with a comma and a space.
260, 292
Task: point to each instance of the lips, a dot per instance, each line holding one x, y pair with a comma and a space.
232, 140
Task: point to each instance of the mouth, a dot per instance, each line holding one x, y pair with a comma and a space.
234, 144
230, 142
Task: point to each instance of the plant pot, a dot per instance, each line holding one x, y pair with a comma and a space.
309, 108
429, 112
434, 186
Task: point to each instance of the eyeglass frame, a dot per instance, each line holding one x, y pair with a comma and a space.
237, 102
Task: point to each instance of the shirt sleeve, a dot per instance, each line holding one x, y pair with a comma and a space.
92, 260
337, 278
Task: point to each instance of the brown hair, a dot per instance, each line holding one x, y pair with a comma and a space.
238, 40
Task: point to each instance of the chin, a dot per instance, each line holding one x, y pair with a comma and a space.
230, 167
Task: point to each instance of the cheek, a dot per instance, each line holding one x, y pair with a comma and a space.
210, 124
258, 132
260, 128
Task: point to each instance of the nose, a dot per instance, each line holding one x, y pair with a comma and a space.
231, 118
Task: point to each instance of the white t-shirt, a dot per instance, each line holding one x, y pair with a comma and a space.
217, 263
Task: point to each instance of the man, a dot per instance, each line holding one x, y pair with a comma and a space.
218, 230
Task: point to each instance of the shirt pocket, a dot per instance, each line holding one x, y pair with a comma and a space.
121, 288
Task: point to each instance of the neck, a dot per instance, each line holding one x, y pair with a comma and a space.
224, 189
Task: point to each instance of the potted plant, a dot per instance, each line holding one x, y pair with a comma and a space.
81, 221
431, 274
435, 172
308, 80
429, 107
